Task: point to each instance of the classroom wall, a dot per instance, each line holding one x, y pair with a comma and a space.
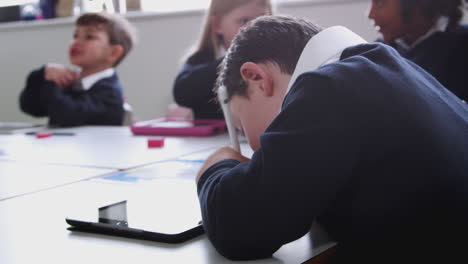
149, 71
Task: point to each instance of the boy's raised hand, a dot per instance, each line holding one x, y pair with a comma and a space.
60, 75
219, 155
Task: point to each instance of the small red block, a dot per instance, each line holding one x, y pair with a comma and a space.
155, 143
43, 135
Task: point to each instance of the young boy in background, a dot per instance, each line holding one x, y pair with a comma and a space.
345, 133
93, 95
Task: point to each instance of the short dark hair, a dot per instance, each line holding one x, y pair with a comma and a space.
267, 39
119, 30
433, 9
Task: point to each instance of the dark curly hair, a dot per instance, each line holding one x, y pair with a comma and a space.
433, 9
268, 39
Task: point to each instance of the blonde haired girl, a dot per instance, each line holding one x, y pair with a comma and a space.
194, 83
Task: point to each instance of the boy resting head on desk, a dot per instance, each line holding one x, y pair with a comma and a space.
345, 133
91, 95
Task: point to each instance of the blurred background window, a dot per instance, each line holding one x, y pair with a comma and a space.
13, 10
179, 5
173, 5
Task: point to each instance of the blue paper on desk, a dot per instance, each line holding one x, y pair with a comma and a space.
181, 169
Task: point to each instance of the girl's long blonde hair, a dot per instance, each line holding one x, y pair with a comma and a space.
218, 8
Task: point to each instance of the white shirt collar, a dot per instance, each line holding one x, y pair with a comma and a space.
323, 48
440, 26
88, 81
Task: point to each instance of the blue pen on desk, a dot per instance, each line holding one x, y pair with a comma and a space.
52, 133
63, 133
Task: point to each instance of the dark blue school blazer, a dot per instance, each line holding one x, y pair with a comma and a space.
193, 86
372, 147
102, 104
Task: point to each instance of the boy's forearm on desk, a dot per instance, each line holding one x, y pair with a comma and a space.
224, 153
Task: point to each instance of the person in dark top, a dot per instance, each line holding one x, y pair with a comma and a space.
193, 86
429, 33
90, 94
347, 134
48, 8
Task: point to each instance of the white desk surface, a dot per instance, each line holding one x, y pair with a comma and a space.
33, 227
33, 230
102, 147
18, 178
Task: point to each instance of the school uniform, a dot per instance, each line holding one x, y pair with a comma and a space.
367, 144
193, 86
443, 53
94, 100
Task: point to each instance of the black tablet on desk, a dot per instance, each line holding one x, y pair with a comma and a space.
155, 203
113, 220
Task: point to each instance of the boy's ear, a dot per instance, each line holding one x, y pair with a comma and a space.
116, 52
257, 76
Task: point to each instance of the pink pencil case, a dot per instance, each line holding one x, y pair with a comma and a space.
179, 127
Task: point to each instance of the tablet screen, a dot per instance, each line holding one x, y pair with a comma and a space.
161, 199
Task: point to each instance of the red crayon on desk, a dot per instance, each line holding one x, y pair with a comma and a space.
43, 135
155, 142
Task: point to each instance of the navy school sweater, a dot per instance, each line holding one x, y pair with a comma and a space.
193, 86
102, 104
372, 147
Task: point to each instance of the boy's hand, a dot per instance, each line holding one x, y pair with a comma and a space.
60, 75
221, 154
